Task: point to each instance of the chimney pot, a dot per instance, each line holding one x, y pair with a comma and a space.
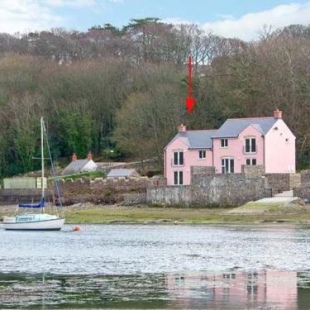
181, 128
277, 114
74, 157
89, 156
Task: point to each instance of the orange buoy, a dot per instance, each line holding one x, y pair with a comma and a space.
77, 228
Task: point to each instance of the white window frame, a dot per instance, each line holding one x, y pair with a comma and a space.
224, 143
178, 159
202, 154
251, 162
252, 145
178, 177
228, 165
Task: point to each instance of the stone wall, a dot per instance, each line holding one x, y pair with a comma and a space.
295, 180
15, 196
303, 190
197, 173
105, 191
305, 177
280, 182
170, 195
253, 170
208, 190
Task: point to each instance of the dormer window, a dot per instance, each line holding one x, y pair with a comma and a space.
224, 143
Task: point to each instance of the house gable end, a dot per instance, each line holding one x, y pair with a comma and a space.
252, 129
179, 138
280, 122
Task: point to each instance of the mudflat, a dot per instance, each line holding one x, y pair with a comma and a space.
252, 212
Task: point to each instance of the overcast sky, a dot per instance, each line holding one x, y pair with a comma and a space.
243, 19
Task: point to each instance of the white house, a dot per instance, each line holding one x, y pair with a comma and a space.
80, 165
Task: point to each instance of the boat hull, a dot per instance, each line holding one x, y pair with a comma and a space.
52, 224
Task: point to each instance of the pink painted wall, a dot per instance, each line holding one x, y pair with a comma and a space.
235, 150
280, 149
191, 158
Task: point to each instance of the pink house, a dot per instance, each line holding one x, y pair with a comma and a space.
265, 141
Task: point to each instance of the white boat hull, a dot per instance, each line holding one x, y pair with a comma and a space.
52, 224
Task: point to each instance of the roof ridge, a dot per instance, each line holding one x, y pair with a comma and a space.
247, 118
201, 130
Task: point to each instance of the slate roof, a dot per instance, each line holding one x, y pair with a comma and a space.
75, 166
118, 173
233, 127
197, 139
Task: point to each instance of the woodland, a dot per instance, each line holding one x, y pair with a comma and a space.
120, 92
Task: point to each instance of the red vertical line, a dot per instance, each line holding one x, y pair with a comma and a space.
190, 88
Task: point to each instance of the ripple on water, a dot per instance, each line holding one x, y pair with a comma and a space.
132, 249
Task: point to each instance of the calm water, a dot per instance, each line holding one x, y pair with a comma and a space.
157, 266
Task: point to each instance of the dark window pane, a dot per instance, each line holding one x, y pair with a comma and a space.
175, 177
181, 177
232, 166
181, 158
247, 145
253, 145
175, 158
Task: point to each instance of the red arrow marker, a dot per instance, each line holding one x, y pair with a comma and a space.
190, 101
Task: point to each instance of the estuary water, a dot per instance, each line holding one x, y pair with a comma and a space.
157, 267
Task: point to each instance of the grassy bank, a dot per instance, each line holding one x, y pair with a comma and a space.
249, 213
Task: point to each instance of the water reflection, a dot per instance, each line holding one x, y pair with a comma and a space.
234, 289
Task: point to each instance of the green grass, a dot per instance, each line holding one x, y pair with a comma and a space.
110, 214
143, 215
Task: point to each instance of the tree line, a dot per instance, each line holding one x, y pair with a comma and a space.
120, 93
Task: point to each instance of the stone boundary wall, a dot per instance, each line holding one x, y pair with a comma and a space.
207, 188
220, 190
105, 191
15, 196
295, 180
280, 182
305, 177
258, 170
303, 190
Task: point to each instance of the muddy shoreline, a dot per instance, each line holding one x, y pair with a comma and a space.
109, 214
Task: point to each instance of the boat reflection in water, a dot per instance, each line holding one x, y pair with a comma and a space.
236, 289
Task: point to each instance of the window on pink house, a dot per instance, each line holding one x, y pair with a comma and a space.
250, 145
178, 177
202, 154
178, 158
224, 142
251, 161
228, 165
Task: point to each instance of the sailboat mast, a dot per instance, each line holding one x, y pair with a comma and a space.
42, 157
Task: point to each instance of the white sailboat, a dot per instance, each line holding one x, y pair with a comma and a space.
36, 220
